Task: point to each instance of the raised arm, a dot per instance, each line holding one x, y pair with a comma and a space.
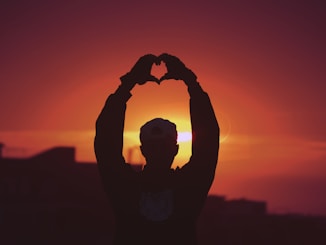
205, 128
108, 142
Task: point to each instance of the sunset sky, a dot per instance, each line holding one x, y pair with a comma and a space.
261, 62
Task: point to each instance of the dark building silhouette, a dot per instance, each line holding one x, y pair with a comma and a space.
1, 147
50, 198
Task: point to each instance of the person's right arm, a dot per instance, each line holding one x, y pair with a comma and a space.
108, 142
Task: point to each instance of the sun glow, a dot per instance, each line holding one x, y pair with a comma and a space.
184, 136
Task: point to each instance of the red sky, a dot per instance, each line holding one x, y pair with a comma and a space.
262, 63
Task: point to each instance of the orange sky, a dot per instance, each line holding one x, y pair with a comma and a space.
261, 63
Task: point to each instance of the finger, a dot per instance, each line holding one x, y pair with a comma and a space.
171, 60
164, 57
166, 76
147, 59
144, 63
157, 61
154, 79
167, 60
148, 56
168, 57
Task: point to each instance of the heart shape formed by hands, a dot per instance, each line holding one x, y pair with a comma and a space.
175, 68
169, 67
159, 70
166, 66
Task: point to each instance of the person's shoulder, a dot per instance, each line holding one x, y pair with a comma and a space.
181, 169
127, 170
136, 168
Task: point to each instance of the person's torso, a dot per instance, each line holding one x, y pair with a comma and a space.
155, 209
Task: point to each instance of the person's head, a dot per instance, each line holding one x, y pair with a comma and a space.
159, 146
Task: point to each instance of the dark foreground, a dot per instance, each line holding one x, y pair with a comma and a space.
51, 199
93, 225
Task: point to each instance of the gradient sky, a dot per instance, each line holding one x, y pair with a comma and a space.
262, 63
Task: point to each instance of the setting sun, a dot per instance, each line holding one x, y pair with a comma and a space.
184, 136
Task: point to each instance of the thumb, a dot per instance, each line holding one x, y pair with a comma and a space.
153, 78
166, 76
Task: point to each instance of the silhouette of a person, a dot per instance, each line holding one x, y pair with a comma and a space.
158, 205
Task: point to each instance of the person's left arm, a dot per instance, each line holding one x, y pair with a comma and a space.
205, 129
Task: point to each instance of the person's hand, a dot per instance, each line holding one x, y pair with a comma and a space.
141, 72
176, 69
